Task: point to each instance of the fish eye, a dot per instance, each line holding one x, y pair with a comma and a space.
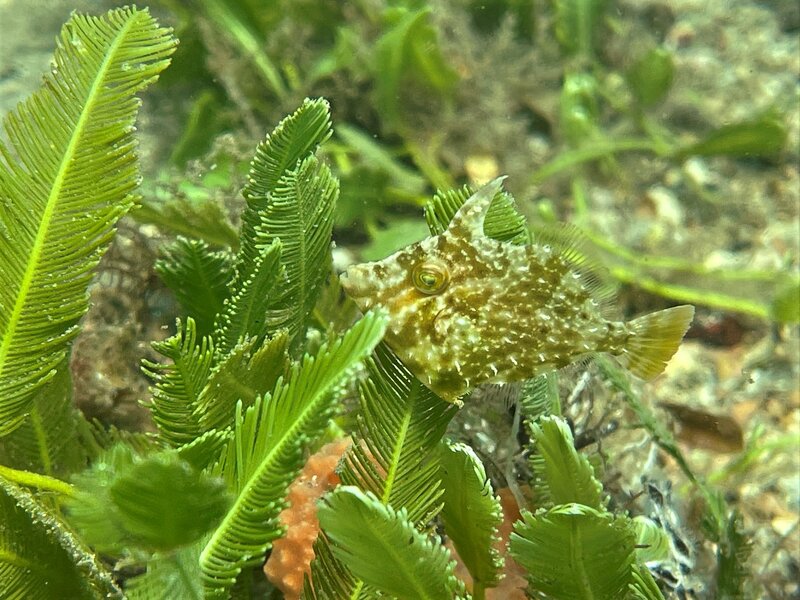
430, 277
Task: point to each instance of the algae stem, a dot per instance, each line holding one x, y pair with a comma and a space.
568, 159
42, 482
240, 34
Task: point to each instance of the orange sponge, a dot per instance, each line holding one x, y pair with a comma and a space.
292, 554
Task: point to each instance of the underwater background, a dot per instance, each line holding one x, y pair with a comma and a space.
667, 130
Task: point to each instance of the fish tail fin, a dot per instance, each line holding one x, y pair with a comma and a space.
655, 339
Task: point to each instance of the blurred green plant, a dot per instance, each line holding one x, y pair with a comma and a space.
40, 557
650, 77
577, 25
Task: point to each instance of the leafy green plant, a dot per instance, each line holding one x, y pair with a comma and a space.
572, 546
228, 453
41, 558
471, 514
68, 175
237, 379
393, 458
408, 49
374, 534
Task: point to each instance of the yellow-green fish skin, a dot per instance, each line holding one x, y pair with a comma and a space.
465, 309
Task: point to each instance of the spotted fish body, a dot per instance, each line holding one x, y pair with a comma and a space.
466, 309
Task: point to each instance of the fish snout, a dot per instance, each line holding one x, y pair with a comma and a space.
356, 285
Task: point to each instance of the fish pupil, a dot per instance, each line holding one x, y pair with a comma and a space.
430, 278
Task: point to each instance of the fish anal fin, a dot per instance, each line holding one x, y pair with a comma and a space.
655, 339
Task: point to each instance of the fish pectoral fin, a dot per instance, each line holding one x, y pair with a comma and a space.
655, 339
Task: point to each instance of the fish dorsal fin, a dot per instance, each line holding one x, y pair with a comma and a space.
572, 244
469, 219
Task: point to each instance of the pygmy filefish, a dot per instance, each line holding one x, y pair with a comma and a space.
466, 309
